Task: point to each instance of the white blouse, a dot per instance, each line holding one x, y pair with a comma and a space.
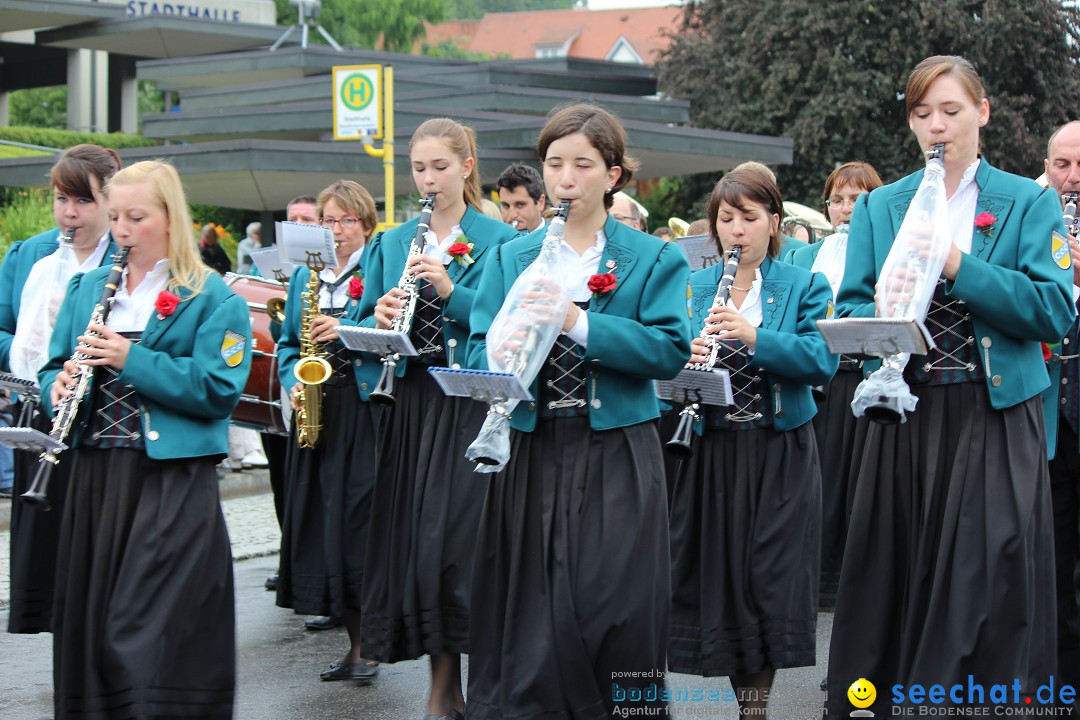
131, 311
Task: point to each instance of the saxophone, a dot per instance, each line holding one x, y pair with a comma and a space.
383, 394
68, 408
680, 445
312, 369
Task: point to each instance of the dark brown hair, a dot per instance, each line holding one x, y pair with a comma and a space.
462, 142
857, 174
930, 69
739, 188
604, 132
73, 169
353, 199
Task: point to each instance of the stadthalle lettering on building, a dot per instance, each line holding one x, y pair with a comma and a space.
260, 12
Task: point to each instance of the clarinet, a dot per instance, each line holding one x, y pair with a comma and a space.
383, 394
680, 444
68, 408
1072, 222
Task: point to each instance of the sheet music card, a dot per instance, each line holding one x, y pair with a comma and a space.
708, 387
376, 341
298, 241
29, 439
481, 385
270, 264
876, 336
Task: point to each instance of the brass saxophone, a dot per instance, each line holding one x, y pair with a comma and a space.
383, 394
68, 408
312, 369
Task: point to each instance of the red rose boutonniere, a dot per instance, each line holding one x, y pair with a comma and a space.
460, 252
602, 283
356, 287
166, 304
984, 223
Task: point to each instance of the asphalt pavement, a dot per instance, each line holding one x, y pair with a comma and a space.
278, 662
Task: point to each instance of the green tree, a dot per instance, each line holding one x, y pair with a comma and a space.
474, 9
40, 107
360, 24
831, 76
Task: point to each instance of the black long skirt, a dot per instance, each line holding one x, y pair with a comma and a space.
424, 516
328, 508
949, 566
835, 429
745, 529
571, 594
34, 538
144, 621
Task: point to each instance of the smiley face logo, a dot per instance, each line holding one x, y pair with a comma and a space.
862, 693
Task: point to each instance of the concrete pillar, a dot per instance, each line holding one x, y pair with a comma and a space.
79, 94
5, 109
99, 118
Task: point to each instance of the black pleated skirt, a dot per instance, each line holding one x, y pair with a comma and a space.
835, 429
424, 516
328, 508
144, 621
34, 537
571, 592
948, 570
745, 529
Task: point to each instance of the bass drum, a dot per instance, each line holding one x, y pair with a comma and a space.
260, 405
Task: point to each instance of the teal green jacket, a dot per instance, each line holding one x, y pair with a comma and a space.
639, 331
790, 351
386, 261
186, 370
1016, 291
805, 257
18, 262
789, 246
366, 366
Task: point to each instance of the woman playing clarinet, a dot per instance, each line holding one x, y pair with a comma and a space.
746, 511
143, 621
571, 583
427, 500
38, 270
948, 571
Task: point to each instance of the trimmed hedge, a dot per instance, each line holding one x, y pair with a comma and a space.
61, 139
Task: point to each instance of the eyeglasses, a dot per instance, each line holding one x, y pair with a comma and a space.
839, 202
345, 222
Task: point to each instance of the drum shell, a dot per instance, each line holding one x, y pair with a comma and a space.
260, 404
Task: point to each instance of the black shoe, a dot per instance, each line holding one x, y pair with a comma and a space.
824, 684
271, 583
321, 622
365, 670
6, 493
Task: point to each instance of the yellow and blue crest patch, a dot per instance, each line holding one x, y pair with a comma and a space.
232, 348
1059, 250
830, 310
